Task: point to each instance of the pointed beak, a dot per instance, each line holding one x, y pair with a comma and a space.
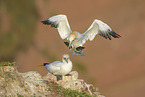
66, 59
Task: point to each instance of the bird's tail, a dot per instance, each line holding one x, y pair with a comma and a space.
45, 64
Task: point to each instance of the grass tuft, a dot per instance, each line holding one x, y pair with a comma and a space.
7, 64
72, 93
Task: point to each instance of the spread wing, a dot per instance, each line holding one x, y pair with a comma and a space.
61, 23
99, 27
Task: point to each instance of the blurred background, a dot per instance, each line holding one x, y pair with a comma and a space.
116, 67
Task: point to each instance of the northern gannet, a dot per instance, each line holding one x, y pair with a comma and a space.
60, 67
76, 39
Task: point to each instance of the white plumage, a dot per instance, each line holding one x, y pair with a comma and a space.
76, 39
60, 67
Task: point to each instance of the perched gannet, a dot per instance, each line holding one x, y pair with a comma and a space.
76, 39
58, 67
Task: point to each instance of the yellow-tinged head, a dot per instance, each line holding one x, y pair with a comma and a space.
72, 36
65, 58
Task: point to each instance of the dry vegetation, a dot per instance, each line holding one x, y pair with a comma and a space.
13, 83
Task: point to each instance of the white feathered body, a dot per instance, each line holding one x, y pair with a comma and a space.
59, 68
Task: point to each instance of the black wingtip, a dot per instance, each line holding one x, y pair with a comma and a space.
45, 64
107, 35
46, 22
113, 34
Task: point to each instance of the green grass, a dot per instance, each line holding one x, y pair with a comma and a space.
7, 64
72, 93
1, 76
19, 95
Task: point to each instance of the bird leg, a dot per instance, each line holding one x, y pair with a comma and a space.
78, 50
59, 77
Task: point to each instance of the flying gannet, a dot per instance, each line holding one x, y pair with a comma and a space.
60, 67
76, 39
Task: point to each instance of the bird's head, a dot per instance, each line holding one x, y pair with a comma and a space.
72, 36
65, 58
